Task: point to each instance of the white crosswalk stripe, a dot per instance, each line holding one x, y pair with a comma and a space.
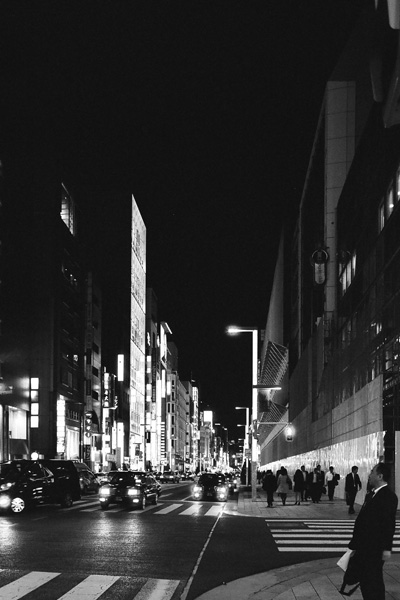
168, 509
316, 536
26, 584
90, 588
191, 509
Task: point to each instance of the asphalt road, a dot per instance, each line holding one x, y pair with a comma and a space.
189, 546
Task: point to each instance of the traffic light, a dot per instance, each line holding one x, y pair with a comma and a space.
88, 423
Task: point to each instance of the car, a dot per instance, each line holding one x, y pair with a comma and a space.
187, 476
131, 489
211, 486
88, 481
169, 477
26, 483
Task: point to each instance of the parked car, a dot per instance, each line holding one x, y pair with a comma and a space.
170, 477
129, 488
210, 486
26, 483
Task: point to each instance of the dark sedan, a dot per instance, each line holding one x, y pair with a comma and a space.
28, 483
131, 489
211, 486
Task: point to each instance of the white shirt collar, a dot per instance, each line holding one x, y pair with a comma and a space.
379, 488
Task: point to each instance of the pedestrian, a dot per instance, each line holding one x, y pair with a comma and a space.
373, 533
352, 485
316, 484
321, 480
331, 482
284, 485
269, 485
304, 492
298, 489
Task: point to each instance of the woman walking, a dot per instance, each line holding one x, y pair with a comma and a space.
284, 485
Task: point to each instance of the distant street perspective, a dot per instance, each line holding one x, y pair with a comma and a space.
200, 300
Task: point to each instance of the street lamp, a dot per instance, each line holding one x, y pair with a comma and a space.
234, 330
247, 440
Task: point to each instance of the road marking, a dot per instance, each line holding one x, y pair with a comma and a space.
157, 589
192, 510
90, 588
330, 535
26, 584
214, 511
168, 509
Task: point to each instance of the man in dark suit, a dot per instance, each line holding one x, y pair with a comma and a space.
373, 533
352, 485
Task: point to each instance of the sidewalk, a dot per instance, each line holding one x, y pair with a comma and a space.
314, 580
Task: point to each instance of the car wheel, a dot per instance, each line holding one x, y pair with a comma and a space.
143, 502
66, 501
17, 505
104, 505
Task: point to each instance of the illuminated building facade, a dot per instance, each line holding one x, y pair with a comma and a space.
137, 341
343, 389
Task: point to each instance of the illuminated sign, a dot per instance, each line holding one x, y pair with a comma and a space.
120, 367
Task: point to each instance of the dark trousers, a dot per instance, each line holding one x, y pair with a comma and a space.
315, 492
331, 489
351, 498
270, 498
371, 583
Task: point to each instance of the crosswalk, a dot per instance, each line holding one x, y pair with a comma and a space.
291, 535
178, 508
91, 587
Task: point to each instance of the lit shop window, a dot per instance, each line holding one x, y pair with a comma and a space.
34, 397
347, 272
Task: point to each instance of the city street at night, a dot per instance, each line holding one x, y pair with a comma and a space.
177, 549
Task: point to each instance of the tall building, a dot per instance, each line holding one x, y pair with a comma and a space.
344, 326
116, 250
43, 322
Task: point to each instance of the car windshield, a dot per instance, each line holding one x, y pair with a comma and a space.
211, 479
126, 478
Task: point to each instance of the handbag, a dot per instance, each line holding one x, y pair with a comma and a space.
352, 571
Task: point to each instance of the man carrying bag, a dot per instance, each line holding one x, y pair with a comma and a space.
373, 536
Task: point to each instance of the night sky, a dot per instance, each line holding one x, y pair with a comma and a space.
206, 112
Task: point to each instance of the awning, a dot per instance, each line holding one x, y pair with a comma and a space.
274, 364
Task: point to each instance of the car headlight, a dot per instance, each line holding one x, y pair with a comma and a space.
6, 486
5, 501
133, 492
197, 489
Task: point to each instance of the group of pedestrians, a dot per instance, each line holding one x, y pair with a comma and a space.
372, 539
309, 485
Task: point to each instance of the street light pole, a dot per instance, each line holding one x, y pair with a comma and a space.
233, 330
